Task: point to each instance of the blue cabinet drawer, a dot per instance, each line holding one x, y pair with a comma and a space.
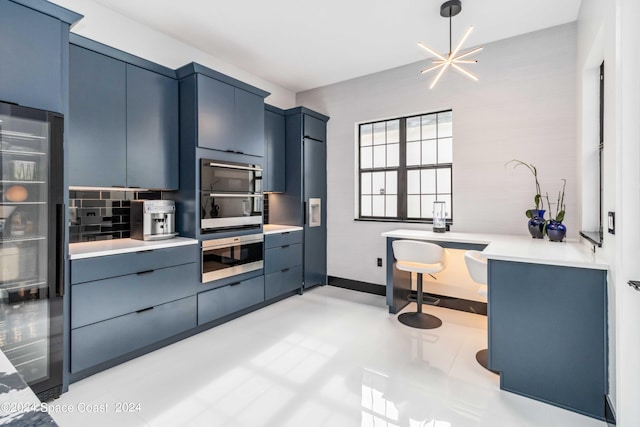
89, 269
278, 259
225, 300
103, 299
282, 282
103, 341
282, 239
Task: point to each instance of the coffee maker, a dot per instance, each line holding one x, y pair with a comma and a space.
153, 219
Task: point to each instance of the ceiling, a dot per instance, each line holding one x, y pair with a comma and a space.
301, 45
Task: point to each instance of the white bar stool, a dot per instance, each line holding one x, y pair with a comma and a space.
477, 267
419, 257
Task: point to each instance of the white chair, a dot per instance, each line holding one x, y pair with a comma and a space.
419, 257
477, 267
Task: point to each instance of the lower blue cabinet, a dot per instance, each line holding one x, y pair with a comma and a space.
103, 341
282, 282
219, 302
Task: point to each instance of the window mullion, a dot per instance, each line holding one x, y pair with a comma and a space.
402, 171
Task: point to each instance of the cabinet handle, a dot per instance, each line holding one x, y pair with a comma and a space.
60, 229
117, 186
285, 246
145, 272
144, 309
145, 251
285, 232
285, 270
304, 213
235, 284
240, 152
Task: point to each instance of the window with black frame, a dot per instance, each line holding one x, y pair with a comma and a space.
406, 164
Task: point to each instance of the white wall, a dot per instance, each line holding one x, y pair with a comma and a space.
113, 29
523, 107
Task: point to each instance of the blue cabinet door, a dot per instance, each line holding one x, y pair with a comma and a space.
216, 113
97, 119
273, 175
249, 123
152, 130
31, 51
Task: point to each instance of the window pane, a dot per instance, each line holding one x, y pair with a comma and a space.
391, 208
413, 206
427, 206
366, 132
429, 152
379, 133
429, 127
379, 157
365, 206
392, 183
446, 198
365, 183
445, 127
393, 155
378, 205
445, 150
429, 181
413, 182
413, 153
444, 180
366, 160
393, 131
378, 183
413, 129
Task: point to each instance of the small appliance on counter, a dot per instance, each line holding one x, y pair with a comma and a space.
153, 219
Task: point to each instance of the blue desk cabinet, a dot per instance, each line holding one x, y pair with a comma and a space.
97, 119
152, 129
273, 175
33, 49
548, 333
123, 120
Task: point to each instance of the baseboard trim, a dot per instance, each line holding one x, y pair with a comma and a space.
356, 285
609, 413
459, 304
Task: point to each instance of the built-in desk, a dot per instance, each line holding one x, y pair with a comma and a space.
547, 309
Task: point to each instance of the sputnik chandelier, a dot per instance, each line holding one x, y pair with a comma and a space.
450, 9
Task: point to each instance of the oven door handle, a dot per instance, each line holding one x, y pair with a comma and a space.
233, 195
229, 166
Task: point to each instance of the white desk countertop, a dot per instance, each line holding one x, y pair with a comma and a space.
123, 246
518, 248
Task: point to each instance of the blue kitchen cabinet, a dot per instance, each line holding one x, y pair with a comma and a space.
33, 48
282, 263
229, 299
97, 119
123, 120
249, 123
273, 175
152, 129
215, 114
228, 115
304, 203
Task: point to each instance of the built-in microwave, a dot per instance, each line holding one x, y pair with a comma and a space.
231, 256
230, 196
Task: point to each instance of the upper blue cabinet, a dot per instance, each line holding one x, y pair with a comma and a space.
273, 174
123, 120
228, 115
34, 48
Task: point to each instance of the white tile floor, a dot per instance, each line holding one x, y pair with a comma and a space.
329, 358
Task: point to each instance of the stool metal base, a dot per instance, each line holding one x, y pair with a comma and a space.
420, 320
483, 359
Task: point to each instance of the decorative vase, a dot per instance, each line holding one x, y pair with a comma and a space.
556, 231
536, 223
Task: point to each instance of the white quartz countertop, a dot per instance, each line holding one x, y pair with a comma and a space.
123, 246
276, 228
515, 248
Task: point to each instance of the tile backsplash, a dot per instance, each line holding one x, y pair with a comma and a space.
102, 215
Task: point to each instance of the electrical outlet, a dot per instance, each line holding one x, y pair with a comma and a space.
379, 262
611, 225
